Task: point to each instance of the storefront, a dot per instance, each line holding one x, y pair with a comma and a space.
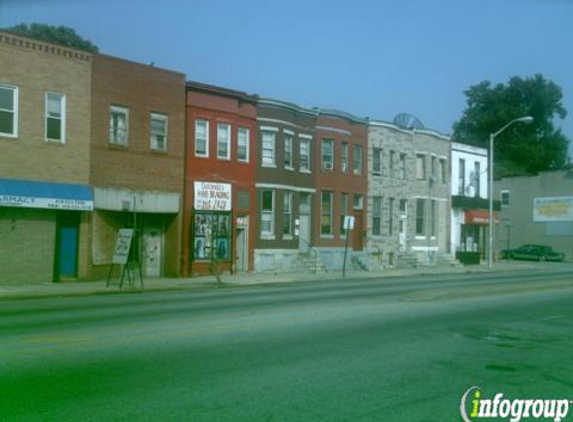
473, 229
43, 227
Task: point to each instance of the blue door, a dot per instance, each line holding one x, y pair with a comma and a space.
68, 251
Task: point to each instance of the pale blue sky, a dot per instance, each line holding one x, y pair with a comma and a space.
370, 58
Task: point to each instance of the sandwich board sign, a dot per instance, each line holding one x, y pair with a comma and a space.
122, 246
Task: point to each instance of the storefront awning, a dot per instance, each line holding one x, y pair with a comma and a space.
480, 217
48, 195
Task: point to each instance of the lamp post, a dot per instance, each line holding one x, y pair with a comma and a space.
526, 120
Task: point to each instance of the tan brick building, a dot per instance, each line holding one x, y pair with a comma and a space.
137, 162
45, 203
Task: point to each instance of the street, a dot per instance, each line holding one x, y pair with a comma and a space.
397, 349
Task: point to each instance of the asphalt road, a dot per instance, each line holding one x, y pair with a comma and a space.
358, 350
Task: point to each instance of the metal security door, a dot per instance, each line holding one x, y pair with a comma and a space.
242, 248
303, 234
68, 251
153, 251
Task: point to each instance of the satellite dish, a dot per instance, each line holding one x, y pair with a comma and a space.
407, 121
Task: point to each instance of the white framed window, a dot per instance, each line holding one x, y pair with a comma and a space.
304, 155
201, 138
420, 166
269, 150
377, 161
243, 136
8, 111
344, 158
326, 213
119, 125
327, 154
504, 198
376, 215
461, 176
287, 214
267, 213
357, 160
55, 117
224, 141
287, 137
158, 132
358, 202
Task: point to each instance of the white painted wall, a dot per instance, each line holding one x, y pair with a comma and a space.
471, 155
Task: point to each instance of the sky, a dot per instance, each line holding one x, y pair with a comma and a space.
372, 58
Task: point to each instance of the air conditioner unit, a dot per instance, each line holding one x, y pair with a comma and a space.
327, 166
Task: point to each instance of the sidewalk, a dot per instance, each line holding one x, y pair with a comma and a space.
13, 292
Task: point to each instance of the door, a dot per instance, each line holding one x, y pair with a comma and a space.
68, 251
153, 251
357, 235
303, 233
242, 250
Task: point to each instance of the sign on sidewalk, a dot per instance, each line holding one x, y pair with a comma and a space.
122, 246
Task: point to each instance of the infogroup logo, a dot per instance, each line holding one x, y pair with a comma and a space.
474, 407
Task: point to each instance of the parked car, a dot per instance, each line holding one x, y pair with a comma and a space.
537, 252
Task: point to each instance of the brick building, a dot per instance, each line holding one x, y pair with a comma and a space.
220, 206
285, 184
137, 163
341, 183
408, 194
45, 201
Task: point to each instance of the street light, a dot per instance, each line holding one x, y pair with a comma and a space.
526, 120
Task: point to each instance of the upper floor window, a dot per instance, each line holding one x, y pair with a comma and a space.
201, 138
55, 117
434, 168
269, 143
357, 160
288, 137
224, 141
304, 155
443, 175
420, 166
476, 181
119, 125
8, 111
402, 168
461, 176
243, 144
377, 161
358, 202
391, 159
505, 198
327, 154
376, 215
158, 132
344, 157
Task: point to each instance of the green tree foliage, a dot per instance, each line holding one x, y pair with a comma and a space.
61, 35
521, 148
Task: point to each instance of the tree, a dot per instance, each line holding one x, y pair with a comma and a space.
521, 148
61, 35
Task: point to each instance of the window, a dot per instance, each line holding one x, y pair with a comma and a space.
344, 158
477, 174
419, 217
201, 138
505, 198
462, 177
403, 204
287, 213
8, 111
391, 164
390, 216
288, 150
443, 174
243, 135
343, 211
304, 155
357, 155
55, 117
118, 125
269, 141
158, 133
327, 154
326, 213
224, 141
433, 221
358, 202
420, 166
377, 161
402, 168
267, 212
376, 215
243, 200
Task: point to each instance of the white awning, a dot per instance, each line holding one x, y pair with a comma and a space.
114, 199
